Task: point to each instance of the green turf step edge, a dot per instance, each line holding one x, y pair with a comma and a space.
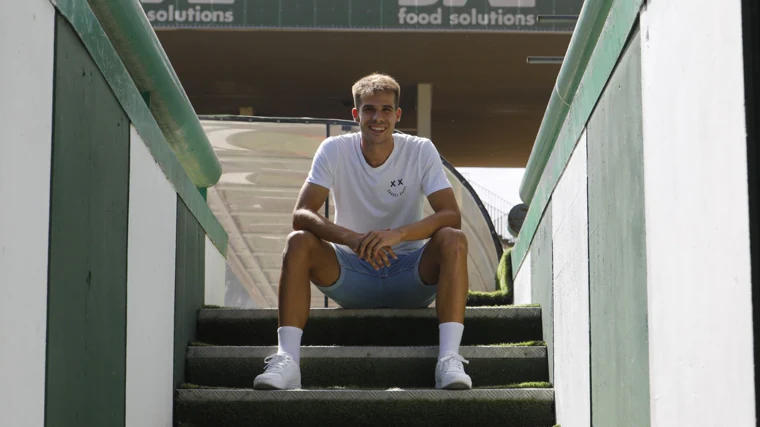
336, 352
483, 325
367, 367
485, 407
342, 313
258, 396
529, 384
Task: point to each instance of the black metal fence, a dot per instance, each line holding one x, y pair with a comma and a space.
497, 207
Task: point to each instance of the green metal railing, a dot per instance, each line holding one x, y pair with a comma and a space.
595, 48
590, 24
135, 41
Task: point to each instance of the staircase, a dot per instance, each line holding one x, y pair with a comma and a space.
368, 368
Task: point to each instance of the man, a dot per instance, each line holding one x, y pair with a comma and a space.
374, 254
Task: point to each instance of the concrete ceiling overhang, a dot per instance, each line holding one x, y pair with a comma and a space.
488, 102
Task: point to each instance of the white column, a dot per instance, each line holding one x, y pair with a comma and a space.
216, 272
150, 291
697, 221
523, 292
572, 382
27, 45
424, 110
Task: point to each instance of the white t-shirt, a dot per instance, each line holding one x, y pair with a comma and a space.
389, 196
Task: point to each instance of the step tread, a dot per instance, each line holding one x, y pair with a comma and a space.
338, 352
368, 408
372, 327
250, 395
360, 367
499, 312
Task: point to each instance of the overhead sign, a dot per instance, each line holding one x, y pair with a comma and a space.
421, 15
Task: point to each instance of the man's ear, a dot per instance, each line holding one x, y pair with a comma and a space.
355, 114
398, 115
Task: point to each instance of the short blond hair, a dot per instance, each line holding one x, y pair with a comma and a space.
373, 84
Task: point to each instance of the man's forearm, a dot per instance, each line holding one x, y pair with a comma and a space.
305, 219
426, 227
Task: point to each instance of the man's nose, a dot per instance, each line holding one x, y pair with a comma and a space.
377, 116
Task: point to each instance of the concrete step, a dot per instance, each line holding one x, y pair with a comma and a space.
380, 327
367, 408
367, 367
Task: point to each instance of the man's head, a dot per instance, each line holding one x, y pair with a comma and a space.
376, 100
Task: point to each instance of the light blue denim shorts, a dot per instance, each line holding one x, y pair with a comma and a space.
361, 286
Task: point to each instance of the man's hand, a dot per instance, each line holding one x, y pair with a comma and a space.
377, 245
355, 241
377, 261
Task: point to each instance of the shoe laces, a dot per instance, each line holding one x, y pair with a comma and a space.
277, 362
453, 362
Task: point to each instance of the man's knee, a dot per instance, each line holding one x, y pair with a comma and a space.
452, 242
299, 244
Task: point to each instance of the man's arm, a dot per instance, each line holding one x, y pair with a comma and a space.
446, 214
306, 217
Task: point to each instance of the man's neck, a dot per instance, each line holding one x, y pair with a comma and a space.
376, 154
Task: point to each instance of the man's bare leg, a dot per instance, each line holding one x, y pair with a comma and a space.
444, 262
306, 258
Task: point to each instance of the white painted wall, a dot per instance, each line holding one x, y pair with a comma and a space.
150, 291
523, 292
26, 83
216, 272
699, 287
572, 382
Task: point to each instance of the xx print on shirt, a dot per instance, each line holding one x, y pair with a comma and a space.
397, 188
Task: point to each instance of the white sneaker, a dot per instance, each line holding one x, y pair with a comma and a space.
449, 373
282, 373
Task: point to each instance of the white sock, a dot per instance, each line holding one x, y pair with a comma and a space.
450, 335
289, 341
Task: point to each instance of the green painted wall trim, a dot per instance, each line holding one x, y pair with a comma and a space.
87, 275
136, 43
620, 21
189, 286
590, 23
85, 23
617, 250
542, 282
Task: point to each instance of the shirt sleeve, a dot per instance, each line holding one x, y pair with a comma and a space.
433, 174
321, 172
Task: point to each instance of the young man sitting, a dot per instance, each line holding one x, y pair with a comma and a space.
374, 255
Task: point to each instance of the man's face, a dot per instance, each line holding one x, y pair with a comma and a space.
377, 117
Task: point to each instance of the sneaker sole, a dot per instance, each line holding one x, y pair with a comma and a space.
272, 387
264, 385
456, 385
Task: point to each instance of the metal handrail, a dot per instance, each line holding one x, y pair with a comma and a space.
135, 41
590, 24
